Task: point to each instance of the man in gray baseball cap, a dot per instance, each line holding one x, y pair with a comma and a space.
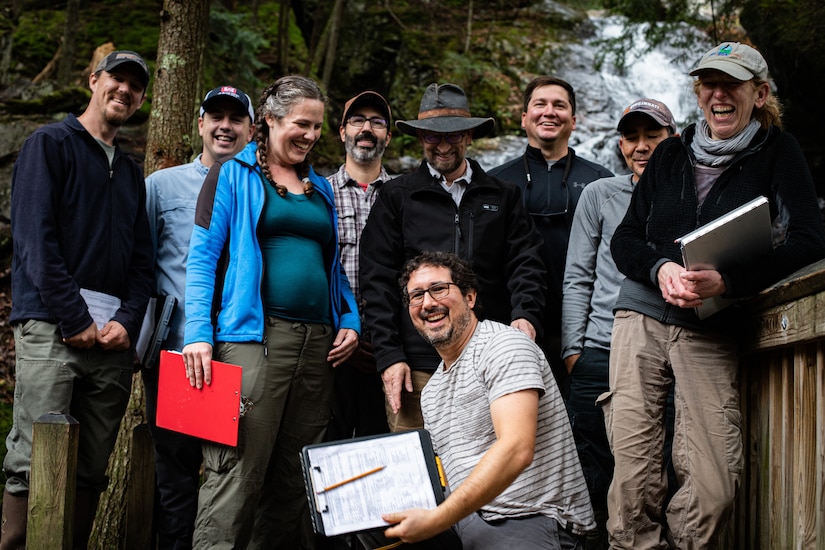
125, 59
450, 204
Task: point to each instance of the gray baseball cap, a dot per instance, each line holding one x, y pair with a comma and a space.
736, 59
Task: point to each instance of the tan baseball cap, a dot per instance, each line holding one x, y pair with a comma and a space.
736, 59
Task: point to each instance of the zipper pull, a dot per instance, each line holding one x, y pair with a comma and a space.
266, 347
457, 226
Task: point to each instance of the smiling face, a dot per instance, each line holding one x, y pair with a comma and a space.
447, 158
445, 323
116, 95
549, 117
367, 143
225, 128
292, 137
728, 103
640, 136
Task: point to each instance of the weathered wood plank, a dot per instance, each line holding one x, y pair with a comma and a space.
53, 482
800, 321
140, 491
804, 463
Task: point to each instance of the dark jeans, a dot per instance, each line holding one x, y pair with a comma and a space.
588, 381
358, 404
177, 476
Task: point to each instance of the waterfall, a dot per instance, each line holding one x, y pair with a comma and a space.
602, 92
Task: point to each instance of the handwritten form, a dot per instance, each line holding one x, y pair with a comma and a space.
404, 482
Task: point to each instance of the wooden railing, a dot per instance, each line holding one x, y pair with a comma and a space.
52, 486
781, 502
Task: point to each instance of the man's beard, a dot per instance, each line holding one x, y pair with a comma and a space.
361, 154
452, 333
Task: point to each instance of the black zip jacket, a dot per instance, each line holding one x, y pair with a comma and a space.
77, 225
551, 205
664, 207
491, 229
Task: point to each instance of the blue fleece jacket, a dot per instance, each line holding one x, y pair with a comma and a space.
225, 266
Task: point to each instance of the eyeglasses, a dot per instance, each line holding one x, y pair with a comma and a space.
435, 139
438, 291
376, 122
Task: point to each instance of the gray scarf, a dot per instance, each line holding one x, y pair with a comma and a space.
713, 152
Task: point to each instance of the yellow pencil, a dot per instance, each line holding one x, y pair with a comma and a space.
353, 478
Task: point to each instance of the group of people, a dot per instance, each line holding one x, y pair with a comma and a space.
534, 318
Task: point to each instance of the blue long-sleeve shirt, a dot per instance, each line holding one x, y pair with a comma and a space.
171, 197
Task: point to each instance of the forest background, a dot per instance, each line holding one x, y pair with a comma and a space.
492, 48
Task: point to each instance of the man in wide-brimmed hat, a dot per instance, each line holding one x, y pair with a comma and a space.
449, 203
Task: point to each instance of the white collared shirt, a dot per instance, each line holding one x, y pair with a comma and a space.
457, 188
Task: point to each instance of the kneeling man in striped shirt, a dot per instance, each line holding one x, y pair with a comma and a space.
498, 422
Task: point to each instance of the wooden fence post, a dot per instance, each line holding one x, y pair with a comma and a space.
140, 491
53, 482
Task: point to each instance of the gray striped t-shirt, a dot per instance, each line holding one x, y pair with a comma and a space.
499, 360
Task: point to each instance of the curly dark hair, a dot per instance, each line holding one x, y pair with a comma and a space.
460, 271
277, 102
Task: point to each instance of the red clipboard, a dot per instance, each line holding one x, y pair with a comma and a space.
210, 413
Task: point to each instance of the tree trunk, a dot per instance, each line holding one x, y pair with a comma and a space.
6, 42
468, 38
66, 61
283, 38
183, 27
335, 26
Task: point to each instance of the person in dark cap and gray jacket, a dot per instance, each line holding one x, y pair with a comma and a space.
449, 204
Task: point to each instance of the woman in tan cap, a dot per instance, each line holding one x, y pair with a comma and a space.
735, 153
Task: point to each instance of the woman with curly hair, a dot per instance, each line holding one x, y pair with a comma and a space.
265, 290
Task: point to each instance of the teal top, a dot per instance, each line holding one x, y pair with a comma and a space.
294, 232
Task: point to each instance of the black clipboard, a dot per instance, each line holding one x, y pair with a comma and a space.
351, 482
163, 321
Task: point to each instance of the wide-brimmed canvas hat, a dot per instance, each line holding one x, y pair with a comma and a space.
444, 109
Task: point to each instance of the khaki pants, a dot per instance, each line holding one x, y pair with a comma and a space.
253, 495
93, 385
646, 358
409, 416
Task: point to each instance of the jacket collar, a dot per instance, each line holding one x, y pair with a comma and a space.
424, 180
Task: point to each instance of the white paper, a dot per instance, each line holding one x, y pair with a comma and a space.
102, 307
404, 482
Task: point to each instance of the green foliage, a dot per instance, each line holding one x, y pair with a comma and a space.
5, 427
37, 37
105, 22
232, 50
39, 31
485, 90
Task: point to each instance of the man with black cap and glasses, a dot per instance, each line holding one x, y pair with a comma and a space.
81, 278
358, 401
226, 122
450, 204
